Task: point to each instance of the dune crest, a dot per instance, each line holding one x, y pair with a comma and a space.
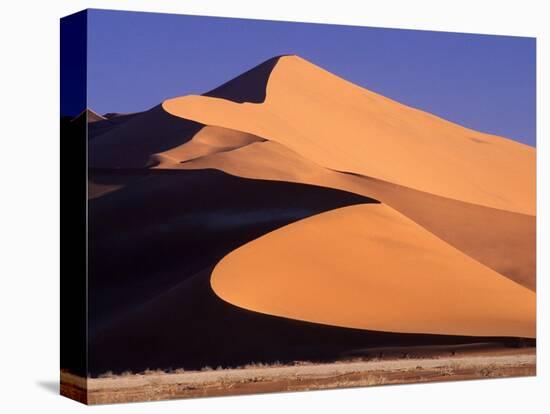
369, 267
209, 140
506, 244
347, 128
90, 116
289, 120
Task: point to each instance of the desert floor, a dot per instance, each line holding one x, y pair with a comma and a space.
388, 366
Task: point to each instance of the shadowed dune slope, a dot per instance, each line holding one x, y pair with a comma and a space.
110, 122
190, 327
150, 134
131, 144
290, 214
208, 140
370, 267
249, 87
162, 227
96, 189
102, 182
90, 116
344, 127
502, 240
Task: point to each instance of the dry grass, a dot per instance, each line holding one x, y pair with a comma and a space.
259, 377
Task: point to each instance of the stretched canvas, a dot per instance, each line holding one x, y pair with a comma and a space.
257, 206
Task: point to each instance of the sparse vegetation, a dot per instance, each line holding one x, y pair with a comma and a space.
447, 371
153, 372
296, 376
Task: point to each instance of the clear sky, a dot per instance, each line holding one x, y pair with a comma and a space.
136, 60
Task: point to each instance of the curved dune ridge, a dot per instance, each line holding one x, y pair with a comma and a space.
448, 251
344, 127
391, 275
209, 140
506, 244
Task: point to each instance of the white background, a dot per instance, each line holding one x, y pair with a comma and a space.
29, 204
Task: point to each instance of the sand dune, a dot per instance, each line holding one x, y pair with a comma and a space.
189, 326
97, 189
90, 115
347, 128
502, 240
370, 267
111, 121
208, 140
131, 144
162, 227
249, 87
319, 219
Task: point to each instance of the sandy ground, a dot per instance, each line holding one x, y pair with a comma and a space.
156, 386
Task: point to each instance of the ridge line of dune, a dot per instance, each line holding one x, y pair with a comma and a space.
350, 173
395, 101
223, 284
394, 210
505, 246
350, 83
263, 139
366, 130
389, 205
381, 201
366, 177
353, 156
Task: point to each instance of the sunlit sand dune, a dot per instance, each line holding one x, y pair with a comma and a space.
290, 214
208, 140
370, 267
344, 127
502, 240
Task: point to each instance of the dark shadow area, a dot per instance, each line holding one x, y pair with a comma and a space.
90, 116
49, 386
152, 247
113, 120
131, 144
251, 86
190, 327
166, 225
73, 244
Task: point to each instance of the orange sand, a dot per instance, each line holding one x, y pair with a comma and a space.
451, 249
506, 244
344, 127
370, 267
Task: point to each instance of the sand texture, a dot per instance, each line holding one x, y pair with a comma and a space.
291, 215
347, 128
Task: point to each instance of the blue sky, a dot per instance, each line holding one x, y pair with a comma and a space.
136, 60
